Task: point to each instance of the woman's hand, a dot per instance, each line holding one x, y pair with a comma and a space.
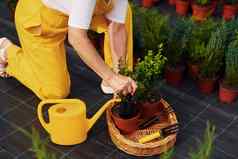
122, 84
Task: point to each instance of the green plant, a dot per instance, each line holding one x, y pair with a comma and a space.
38, 145
168, 155
178, 41
197, 52
213, 58
231, 64
137, 47
150, 68
206, 147
202, 31
154, 28
203, 2
230, 28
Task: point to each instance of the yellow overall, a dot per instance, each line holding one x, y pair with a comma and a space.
40, 63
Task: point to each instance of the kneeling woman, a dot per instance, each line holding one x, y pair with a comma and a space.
42, 27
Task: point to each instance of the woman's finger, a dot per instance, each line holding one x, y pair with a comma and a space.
124, 92
130, 89
134, 87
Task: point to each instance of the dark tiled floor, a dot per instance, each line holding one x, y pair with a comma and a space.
18, 109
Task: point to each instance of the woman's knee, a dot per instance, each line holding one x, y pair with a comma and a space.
56, 92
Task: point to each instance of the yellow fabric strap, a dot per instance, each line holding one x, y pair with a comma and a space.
103, 6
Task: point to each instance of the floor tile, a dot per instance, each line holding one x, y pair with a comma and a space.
16, 143
33, 102
5, 155
5, 128
7, 103
31, 155
21, 116
218, 154
90, 149
8, 84
197, 128
218, 117
21, 93
229, 109
227, 142
36, 125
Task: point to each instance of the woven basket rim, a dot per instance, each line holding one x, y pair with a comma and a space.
114, 129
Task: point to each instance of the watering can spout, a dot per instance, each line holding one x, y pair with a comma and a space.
108, 104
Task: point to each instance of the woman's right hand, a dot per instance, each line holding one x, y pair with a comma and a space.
122, 84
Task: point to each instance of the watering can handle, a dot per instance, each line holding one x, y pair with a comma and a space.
50, 101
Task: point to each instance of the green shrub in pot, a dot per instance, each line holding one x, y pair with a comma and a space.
229, 85
212, 61
177, 45
231, 65
154, 28
147, 71
202, 31
229, 9
201, 9
196, 53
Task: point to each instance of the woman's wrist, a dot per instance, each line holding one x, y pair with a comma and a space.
108, 76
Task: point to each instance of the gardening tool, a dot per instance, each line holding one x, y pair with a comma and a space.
172, 129
68, 124
155, 119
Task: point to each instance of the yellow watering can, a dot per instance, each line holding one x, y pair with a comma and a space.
68, 124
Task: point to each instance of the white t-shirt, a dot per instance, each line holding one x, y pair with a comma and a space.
81, 11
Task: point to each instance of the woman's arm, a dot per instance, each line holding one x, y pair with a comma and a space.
78, 38
118, 42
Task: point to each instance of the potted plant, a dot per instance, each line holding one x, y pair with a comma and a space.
154, 29
229, 85
146, 73
126, 115
12, 6
182, 7
201, 9
197, 51
213, 6
229, 9
147, 3
198, 40
212, 62
172, 2
177, 44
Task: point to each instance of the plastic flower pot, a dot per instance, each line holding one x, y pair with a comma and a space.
172, 2
126, 126
201, 13
156, 2
193, 70
213, 6
206, 86
174, 76
227, 94
147, 3
229, 11
149, 109
182, 7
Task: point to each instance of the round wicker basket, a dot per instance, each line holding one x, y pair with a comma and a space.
129, 143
